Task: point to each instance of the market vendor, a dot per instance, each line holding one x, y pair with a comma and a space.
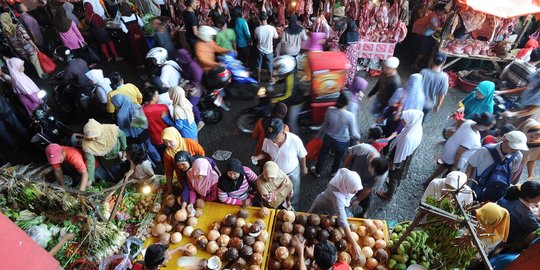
107, 142
324, 254
335, 200
70, 158
175, 143
156, 256
520, 201
388, 83
495, 221
478, 101
234, 186
140, 167
274, 187
454, 181
202, 181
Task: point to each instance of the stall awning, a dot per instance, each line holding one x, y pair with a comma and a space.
504, 8
19, 251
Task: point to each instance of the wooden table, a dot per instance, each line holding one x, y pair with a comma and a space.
493, 59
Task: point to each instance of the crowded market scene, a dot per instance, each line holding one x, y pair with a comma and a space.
269, 134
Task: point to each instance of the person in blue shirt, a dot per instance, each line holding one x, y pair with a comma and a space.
243, 36
426, 40
519, 201
183, 119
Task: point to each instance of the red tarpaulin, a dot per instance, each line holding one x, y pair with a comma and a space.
18, 251
504, 8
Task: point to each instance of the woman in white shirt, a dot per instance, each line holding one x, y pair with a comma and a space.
454, 181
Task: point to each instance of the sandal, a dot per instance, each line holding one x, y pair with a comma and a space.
313, 172
383, 195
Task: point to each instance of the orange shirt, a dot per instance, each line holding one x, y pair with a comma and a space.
206, 54
193, 147
74, 158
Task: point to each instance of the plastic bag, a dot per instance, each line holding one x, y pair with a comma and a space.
313, 148
40, 234
46, 63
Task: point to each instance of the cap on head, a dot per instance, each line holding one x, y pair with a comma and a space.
392, 62
54, 153
517, 140
273, 128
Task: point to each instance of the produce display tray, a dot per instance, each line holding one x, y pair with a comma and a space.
356, 221
213, 212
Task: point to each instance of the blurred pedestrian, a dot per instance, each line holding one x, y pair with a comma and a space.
23, 86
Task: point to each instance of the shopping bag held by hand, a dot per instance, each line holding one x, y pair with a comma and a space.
46, 63
313, 148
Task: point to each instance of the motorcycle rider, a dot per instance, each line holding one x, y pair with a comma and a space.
75, 71
165, 73
206, 48
284, 71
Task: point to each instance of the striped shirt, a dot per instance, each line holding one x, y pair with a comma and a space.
516, 74
238, 196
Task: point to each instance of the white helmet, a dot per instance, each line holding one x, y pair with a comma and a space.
206, 33
158, 53
283, 65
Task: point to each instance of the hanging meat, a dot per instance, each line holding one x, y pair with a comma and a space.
381, 16
393, 16
321, 25
281, 13
364, 18
309, 7
301, 4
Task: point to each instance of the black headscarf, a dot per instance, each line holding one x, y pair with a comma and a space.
294, 28
226, 184
350, 35
125, 9
183, 156
61, 22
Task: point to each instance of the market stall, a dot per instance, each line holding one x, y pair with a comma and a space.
488, 27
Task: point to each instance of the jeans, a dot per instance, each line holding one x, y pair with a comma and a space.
243, 55
194, 101
292, 118
296, 182
339, 152
269, 61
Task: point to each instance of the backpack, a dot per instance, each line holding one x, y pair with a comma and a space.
421, 25
495, 180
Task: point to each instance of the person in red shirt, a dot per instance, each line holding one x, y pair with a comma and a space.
59, 156
153, 112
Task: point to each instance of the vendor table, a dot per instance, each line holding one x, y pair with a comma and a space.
493, 59
213, 212
375, 50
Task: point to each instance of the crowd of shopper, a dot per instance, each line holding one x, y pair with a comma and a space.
156, 126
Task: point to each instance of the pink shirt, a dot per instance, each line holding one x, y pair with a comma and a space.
72, 38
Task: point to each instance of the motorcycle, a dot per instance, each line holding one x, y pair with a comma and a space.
50, 129
214, 81
242, 86
67, 98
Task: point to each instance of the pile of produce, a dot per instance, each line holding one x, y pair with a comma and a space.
314, 228
451, 248
413, 250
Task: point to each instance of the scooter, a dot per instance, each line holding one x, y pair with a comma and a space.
242, 86
67, 98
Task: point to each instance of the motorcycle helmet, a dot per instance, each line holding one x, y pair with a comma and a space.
206, 33
63, 54
283, 65
217, 78
158, 53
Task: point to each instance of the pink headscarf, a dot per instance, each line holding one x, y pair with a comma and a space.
201, 166
22, 84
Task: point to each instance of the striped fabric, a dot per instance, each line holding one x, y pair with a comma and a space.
238, 196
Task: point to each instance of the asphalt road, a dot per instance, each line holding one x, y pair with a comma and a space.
226, 136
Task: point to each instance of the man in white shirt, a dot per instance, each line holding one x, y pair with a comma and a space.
287, 150
265, 34
462, 144
454, 181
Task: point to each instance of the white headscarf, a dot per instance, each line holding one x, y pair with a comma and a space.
96, 75
456, 179
410, 137
348, 183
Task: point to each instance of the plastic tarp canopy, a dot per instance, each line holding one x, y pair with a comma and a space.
504, 8
18, 251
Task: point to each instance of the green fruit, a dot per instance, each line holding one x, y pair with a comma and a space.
401, 258
406, 245
390, 243
394, 236
398, 228
400, 266
414, 257
425, 264
391, 263
401, 250
412, 262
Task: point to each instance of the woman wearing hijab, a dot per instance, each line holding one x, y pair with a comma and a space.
203, 181
30, 23
454, 181
412, 95
274, 187
520, 201
349, 43
97, 7
292, 38
23, 86
131, 25
495, 222
192, 72
99, 32
402, 150
531, 128
102, 85
126, 112
105, 141
478, 101
21, 42
69, 7
235, 185
175, 143
355, 93
336, 198
183, 118
183, 161
67, 30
